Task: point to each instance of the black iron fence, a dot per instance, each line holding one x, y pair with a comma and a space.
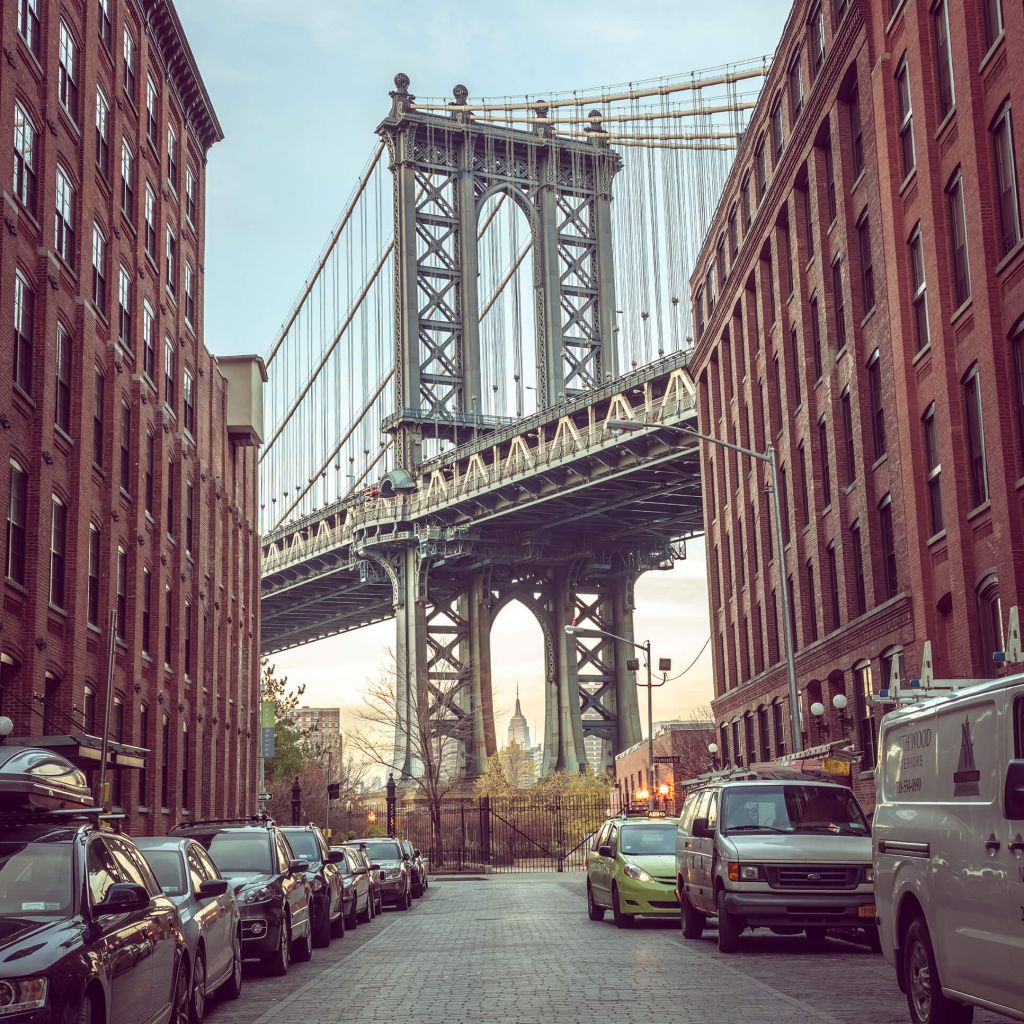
501, 834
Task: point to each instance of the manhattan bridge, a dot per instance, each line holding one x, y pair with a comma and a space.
508, 276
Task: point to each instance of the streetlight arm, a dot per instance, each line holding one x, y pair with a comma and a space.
582, 631
632, 425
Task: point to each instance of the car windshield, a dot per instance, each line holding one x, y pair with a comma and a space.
169, 870
647, 840
35, 878
304, 844
238, 854
383, 851
793, 808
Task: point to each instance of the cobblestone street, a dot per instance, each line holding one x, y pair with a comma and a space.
520, 950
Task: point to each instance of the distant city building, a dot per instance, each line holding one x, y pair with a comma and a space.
525, 769
594, 747
518, 730
320, 728
683, 746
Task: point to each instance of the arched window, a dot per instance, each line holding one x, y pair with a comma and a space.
89, 711
990, 621
186, 764
867, 734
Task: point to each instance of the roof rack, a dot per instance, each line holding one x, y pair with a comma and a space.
93, 815
252, 819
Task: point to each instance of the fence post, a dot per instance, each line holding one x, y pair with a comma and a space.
462, 844
560, 833
296, 802
392, 826
485, 829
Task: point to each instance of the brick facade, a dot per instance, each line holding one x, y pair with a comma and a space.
842, 332
121, 447
687, 741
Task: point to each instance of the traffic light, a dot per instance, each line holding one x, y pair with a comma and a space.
333, 790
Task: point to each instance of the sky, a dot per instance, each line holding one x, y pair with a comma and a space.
299, 89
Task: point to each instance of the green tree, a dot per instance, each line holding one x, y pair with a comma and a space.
289, 757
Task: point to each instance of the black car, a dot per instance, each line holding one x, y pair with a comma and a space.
324, 877
269, 883
86, 934
360, 905
395, 872
373, 873
417, 866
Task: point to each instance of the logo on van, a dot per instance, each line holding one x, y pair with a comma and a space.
966, 778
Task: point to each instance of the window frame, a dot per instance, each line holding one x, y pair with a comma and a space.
26, 137
905, 111
63, 377
69, 59
16, 563
933, 471
974, 431
1001, 130
58, 552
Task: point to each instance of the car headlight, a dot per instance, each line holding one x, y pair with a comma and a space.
637, 873
869, 875
394, 873
318, 883
259, 895
17, 995
744, 872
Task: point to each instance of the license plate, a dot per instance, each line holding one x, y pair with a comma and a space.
868, 911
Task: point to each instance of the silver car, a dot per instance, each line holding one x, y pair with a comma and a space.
209, 916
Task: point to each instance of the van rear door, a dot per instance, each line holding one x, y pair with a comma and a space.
1013, 836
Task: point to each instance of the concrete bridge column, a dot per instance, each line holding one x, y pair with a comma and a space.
627, 717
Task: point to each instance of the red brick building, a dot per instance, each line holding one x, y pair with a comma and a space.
127, 452
684, 741
859, 302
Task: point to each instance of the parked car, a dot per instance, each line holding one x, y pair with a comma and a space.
324, 877
269, 883
948, 836
86, 934
395, 873
631, 869
782, 851
373, 873
358, 878
209, 916
419, 869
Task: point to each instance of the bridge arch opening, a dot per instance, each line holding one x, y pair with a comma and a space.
506, 296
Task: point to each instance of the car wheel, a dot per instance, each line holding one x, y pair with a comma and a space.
197, 997
621, 920
338, 924
180, 1010
728, 927
406, 902
366, 914
380, 904
815, 936
594, 912
276, 964
232, 988
302, 948
322, 927
83, 1014
352, 921
691, 921
924, 989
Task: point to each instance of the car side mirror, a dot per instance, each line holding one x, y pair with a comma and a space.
417, 853
375, 867
1013, 791
122, 898
604, 851
405, 856
335, 857
212, 888
702, 830
297, 867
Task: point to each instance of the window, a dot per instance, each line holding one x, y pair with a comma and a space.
975, 430
89, 711
171, 265
64, 218
99, 387
778, 133
99, 269
867, 728
24, 307
816, 41
189, 401
124, 309
805, 491
833, 584
943, 58
709, 289
933, 470
958, 239
24, 158
150, 471
812, 604
127, 180
786, 256
190, 294
28, 23
830, 181
840, 304
734, 243
784, 498
147, 620
129, 64
152, 115
826, 463
720, 260
187, 629
172, 157
819, 367
762, 732
794, 358
745, 201
867, 277
919, 295
860, 588
102, 133
190, 500
1017, 344
58, 550
888, 537
62, 397
186, 775
990, 619
17, 523
760, 170
143, 738
165, 754
792, 607
877, 407
121, 608
850, 438
779, 729
170, 387
906, 123
148, 341
748, 728
150, 219
1006, 178
856, 132
796, 88
93, 601
777, 393
808, 220
126, 447
698, 311
993, 21
168, 624
170, 499
106, 35
67, 70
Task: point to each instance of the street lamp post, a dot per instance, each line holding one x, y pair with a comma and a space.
767, 456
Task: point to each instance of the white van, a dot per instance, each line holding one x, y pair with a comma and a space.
948, 849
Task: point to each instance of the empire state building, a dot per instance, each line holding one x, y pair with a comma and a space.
518, 730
